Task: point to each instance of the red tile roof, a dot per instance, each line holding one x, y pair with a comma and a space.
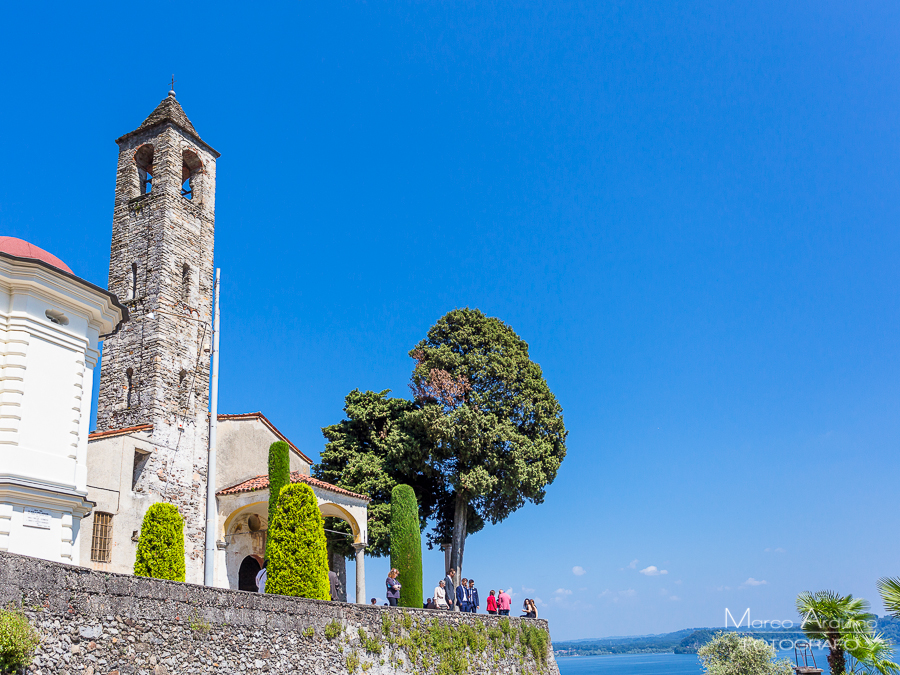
23, 249
262, 418
262, 483
95, 435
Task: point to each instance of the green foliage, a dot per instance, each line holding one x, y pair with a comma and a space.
375, 448
309, 632
889, 589
333, 629
279, 476
845, 623
406, 545
536, 640
298, 561
352, 662
371, 645
495, 430
160, 551
198, 624
735, 654
18, 641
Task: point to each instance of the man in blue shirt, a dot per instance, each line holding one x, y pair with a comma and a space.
462, 595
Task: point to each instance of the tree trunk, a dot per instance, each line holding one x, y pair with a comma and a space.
458, 544
836, 657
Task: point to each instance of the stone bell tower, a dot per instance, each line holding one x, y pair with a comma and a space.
155, 370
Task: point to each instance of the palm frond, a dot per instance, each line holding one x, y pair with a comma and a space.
889, 589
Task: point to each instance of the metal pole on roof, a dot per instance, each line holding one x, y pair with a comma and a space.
209, 560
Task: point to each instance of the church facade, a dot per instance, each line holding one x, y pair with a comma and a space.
152, 438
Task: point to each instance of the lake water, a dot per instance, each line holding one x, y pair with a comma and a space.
651, 664
630, 664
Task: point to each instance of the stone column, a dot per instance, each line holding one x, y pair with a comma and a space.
360, 573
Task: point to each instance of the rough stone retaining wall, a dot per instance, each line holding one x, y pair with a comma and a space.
98, 623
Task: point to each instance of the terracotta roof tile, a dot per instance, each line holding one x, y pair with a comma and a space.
262, 483
95, 435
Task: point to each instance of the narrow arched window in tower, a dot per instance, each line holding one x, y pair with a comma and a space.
191, 168
132, 290
184, 387
186, 284
129, 384
143, 158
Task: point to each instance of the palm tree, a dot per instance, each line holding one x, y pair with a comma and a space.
870, 655
836, 619
890, 594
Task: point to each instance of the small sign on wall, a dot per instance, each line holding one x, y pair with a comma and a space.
37, 518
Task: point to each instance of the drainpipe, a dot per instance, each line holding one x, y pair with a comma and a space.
209, 561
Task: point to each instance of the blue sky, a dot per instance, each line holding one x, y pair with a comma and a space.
689, 210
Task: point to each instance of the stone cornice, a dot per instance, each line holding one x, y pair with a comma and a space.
26, 492
34, 277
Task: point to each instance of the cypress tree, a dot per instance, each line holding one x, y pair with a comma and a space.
298, 560
406, 545
279, 476
160, 552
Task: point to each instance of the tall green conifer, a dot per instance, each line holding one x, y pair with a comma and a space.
406, 545
279, 476
298, 561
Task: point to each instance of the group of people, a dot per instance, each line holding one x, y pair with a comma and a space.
464, 598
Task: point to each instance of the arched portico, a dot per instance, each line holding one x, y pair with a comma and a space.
243, 522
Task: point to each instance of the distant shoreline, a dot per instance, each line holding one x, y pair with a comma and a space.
689, 640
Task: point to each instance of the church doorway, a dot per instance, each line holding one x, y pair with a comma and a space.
247, 574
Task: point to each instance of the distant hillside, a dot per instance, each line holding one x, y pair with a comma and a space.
689, 640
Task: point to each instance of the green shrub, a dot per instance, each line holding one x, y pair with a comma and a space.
536, 640
734, 654
406, 545
18, 640
298, 561
279, 476
352, 663
160, 551
333, 629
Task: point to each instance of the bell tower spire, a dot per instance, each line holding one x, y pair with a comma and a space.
155, 370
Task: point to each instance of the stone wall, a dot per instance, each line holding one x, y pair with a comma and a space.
96, 623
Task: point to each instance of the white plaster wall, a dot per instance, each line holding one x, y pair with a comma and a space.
110, 464
45, 385
242, 451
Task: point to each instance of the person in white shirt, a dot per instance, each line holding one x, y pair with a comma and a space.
261, 577
440, 596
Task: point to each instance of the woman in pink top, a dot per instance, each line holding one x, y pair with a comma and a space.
503, 603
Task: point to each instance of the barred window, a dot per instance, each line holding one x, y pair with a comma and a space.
101, 542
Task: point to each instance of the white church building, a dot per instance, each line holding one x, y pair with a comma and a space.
51, 322
151, 443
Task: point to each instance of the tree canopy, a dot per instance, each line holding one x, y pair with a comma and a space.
483, 435
734, 654
495, 431
370, 452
